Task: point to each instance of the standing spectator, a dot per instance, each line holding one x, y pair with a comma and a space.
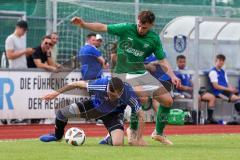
91, 59
16, 52
54, 49
15, 46
187, 89
41, 58
220, 85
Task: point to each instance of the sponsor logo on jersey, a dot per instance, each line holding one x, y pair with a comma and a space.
146, 45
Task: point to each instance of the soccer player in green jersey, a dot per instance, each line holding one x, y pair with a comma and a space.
135, 43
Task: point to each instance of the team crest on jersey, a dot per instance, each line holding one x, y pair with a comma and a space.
180, 43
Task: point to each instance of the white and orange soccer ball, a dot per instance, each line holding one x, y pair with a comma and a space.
75, 136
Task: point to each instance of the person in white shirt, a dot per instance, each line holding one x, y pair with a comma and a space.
220, 84
15, 46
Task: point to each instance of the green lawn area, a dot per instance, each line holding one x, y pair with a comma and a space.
197, 147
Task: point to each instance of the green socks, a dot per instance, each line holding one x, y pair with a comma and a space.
161, 119
134, 121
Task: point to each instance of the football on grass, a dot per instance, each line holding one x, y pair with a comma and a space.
75, 136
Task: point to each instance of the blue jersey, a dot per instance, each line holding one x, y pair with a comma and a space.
159, 73
186, 79
221, 80
91, 68
98, 94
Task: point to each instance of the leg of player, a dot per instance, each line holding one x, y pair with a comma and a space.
114, 124
117, 137
165, 100
211, 100
62, 116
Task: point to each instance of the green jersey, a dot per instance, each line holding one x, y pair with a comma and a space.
134, 48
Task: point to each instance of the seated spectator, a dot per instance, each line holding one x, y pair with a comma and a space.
91, 59
15, 46
41, 58
186, 88
220, 85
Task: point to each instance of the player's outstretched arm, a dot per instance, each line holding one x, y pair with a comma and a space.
68, 87
96, 27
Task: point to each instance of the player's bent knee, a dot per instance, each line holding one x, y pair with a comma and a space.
117, 137
117, 143
168, 102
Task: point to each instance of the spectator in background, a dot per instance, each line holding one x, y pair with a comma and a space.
220, 84
54, 49
16, 52
91, 59
186, 89
42, 58
99, 40
15, 46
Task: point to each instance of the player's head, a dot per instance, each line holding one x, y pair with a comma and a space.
145, 22
91, 39
115, 88
54, 37
99, 40
21, 27
46, 43
181, 61
220, 60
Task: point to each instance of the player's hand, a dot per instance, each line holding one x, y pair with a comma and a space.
77, 21
176, 81
139, 142
50, 96
233, 90
29, 51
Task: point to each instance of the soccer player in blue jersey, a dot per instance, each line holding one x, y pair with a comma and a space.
91, 59
108, 99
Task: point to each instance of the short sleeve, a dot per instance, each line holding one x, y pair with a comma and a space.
117, 29
213, 77
158, 50
133, 101
36, 54
9, 44
97, 53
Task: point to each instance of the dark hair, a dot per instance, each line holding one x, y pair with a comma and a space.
180, 57
221, 57
90, 35
115, 84
146, 17
46, 37
22, 24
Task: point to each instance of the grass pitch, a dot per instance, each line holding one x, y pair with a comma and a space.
197, 147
